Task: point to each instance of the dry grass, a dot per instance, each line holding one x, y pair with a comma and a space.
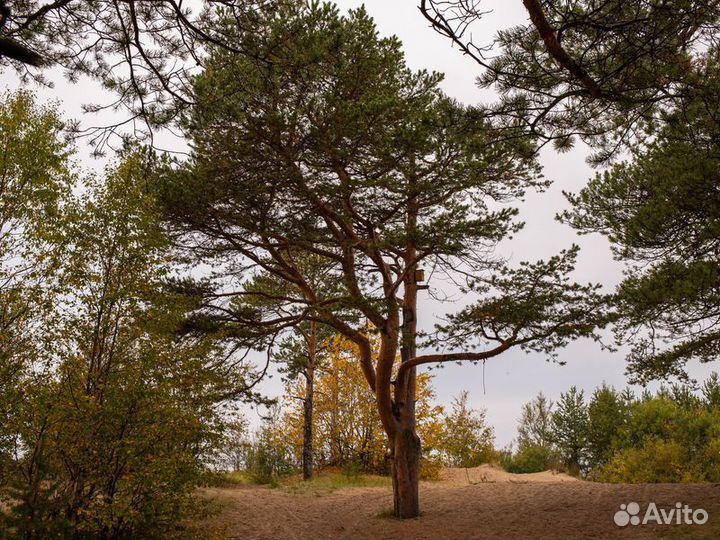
330, 480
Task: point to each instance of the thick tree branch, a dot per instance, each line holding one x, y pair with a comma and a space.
549, 37
450, 357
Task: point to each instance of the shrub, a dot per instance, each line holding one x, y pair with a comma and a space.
655, 461
112, 424
267, 462
711, 460
430, 468
467, 440
353, 468
530, 459
670, 436
607, 414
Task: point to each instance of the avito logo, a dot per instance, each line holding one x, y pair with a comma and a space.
680, 514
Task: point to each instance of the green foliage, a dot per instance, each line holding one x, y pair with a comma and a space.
569, 425
607, 413
237, 478
35, 177
535, 449
233, 449
268, 457
711, 391
112, 423
661, 212
332, 148
529, 459
139, 51
535, 423
534, 306
654, 461
356, 128
670, 436
642, 77
387, 513
466, 440
605, 72
430, 468
665, 440
352, 468
266, 464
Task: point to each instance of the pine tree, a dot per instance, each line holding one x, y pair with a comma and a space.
607, 414
569, 429
331, 146
641, 77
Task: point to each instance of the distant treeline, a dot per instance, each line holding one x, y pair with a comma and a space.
672, 435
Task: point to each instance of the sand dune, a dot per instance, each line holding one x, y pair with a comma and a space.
484, 502
493, 474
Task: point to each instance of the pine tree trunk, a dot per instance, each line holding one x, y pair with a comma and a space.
406, 474
307, 457
406, 443
308, 404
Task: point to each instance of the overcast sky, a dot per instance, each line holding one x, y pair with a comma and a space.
515, 377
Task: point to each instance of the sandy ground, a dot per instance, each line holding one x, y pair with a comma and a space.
477, 503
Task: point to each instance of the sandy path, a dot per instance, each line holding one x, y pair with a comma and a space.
502, 506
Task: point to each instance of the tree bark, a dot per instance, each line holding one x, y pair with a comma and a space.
307, 456
549, 37
406, 443
308, 404
406, 474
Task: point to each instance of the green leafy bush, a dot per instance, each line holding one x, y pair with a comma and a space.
467, 440
655, 461
267, 462
117, 411
530, 459
670, 436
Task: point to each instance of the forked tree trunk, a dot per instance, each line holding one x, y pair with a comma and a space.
406, 443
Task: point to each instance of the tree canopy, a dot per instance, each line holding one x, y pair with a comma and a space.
637, 78
145, 53
601, 71
107, 409
661, 212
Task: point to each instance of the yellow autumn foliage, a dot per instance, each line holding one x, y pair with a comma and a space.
347, 427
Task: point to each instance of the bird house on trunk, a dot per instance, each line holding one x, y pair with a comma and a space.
420, 277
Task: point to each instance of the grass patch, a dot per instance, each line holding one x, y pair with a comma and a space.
387, 513
326, 482
229, 479
240, 478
